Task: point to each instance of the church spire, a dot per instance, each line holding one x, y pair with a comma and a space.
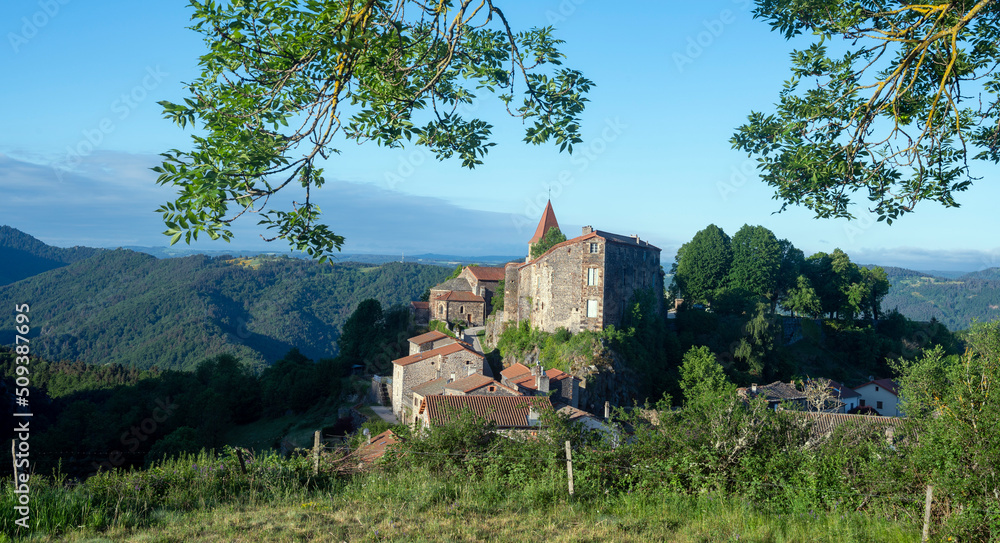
548, 221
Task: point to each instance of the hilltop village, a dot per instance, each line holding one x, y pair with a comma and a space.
580, 284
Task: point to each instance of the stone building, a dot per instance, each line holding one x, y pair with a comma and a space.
559, 385
484, 280
584, 283
466, 298
454, 361
429, 341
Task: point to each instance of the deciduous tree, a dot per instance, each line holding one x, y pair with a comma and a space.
703, 265
280, 81
895, 110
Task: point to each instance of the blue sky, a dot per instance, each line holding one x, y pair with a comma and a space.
674, 80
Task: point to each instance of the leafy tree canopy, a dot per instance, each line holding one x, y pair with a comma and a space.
757, 256
894, 111
281, 80
553, 236
703, 264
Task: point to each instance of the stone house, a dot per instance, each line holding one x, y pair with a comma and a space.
484, 281
584, 283
561, 386
473, 385
454, 361
429, 341
520, 414
459, 306
478, 385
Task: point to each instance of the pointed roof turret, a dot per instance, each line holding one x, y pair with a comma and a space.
548, 221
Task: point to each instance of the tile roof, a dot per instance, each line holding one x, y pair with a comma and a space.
432, 387
369, 452
515, 370
887, 384
420, 305
840, 391
455, 296
557, 374
451, 348
573, 413
548, 221
774, 392
472, 382
487, 273
504, 411
823, 424
456, 284
433, 335
596, 234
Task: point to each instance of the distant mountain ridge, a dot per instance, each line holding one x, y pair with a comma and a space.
953, 301
22, 255
121, 306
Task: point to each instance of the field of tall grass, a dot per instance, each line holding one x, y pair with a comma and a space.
206, 497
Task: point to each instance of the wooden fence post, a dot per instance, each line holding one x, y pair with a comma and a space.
243, 465
927, 514
316, 445
569, 467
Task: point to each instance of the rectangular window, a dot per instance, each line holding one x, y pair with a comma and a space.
591, 308
862, 404
878, 405
592, 276
593, 247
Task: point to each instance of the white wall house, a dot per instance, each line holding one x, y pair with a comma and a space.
881, 394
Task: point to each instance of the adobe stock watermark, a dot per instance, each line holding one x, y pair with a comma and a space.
712, 30
121, 109
583, 156
407, 166
565, 9
139, 433
737, 179
30, 25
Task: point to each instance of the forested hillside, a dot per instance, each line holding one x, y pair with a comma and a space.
22, 255
133, 309
953, 302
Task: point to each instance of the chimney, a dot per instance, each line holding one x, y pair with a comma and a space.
753, 388
532, 416
607, 410
542, 382
587, 229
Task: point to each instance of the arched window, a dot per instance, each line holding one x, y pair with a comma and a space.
461, 309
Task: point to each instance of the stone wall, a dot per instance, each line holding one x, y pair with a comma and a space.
629, 268
404, 378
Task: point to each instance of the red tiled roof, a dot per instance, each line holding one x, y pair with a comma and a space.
369, 452
451, 348
887, 384
548, 221
504, 411
515, 370
471, 382
453, 296
556, 374
486, 273
433, 335
596, 234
